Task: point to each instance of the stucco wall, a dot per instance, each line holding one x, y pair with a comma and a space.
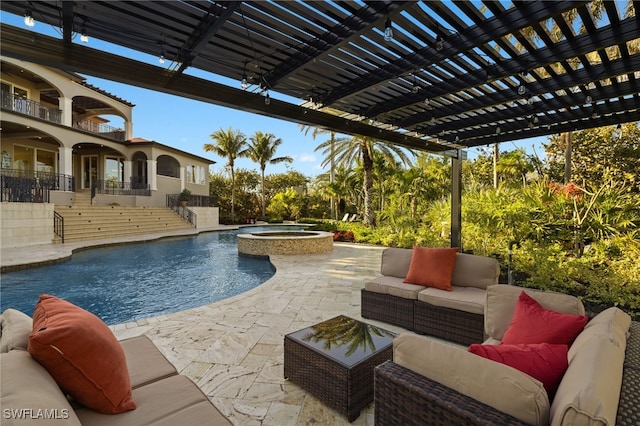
25, 224
207, 216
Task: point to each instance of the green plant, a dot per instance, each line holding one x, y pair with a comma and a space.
185, 195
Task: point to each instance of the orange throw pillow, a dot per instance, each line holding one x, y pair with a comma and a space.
81, 354
432, 267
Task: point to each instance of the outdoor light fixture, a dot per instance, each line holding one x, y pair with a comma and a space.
522, 90
267, 99
28, 19
617, 132
588, 100
439, 44
388, 31
162, 59
530, 101
498, 130
244, 84
426, 101
415, 88
84, 37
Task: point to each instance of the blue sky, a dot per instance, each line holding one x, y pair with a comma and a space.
186, 124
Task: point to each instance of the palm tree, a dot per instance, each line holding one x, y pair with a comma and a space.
261, 150
347, 150
332, 138
230, 144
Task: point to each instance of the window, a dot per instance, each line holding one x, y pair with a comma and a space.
114, 169
46, 161
23, 158
168, 166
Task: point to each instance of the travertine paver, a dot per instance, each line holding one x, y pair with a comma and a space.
233, 349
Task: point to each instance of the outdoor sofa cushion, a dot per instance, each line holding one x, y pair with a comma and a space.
395, 262
472, 270
394, 286
30, 396
145, 362
501, 303
82, 354
15, 328
497, 385
432, 267
466, 299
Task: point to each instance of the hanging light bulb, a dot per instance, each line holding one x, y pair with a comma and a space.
388, 31
267, 99
617, 132
84, 37
427, 101
28, 19
244, 84
415, 88
530, 101
535, 119
439, 44
162, 59
522, 90
498, 130
588, 100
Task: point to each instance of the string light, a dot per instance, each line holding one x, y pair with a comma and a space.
244, 84
84, 37
522, 90
439, 43
267, 99
388, 31
28, 19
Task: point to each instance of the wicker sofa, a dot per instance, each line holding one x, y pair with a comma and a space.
30, 395
431, 382
456, 315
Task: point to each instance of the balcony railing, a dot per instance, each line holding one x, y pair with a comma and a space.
29, 107
100, 129
19, 186
116, 187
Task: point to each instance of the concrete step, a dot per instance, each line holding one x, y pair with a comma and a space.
98, 222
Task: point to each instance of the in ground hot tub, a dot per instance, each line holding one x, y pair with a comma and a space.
285, 242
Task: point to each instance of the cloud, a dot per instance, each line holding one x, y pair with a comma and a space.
307, 158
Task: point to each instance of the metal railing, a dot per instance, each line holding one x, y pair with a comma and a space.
101, 129
192, 200
20, 186
29, 107
116, 187
58, 225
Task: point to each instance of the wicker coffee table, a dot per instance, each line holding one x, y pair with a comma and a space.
334, 361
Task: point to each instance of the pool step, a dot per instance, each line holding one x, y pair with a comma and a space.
83, 222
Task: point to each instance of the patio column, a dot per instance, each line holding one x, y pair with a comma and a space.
66, 105
456, 199
65, 164
152, 169
127, 171
128, 130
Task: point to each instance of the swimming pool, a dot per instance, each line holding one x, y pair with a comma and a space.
128, 282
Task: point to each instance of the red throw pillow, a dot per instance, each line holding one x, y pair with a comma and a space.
532, 323
81, 354
432, 267
543, 361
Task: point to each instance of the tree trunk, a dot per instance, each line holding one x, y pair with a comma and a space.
568, 148
367, 186
495, 165
233, 196
262, 188
334, 213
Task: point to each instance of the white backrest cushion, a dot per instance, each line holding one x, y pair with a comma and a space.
15, 328
475, 271
395, 262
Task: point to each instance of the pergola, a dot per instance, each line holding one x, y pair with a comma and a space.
439, 76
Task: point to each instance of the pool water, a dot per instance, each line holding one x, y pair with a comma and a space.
128, 282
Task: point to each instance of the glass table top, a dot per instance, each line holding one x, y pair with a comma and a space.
344, 340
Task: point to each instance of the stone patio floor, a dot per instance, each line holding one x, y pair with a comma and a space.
233, 349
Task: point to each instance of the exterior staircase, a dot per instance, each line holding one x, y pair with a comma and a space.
85, 222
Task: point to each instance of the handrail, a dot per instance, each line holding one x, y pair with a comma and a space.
21, 186
29, 107
100, 129
116, 187
58, 225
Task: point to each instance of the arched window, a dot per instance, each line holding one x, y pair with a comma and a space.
168, 166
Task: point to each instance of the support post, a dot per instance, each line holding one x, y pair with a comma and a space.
456, 199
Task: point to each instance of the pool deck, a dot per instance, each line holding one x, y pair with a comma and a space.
233, 349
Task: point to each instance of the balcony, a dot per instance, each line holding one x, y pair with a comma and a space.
29, 107
100, 129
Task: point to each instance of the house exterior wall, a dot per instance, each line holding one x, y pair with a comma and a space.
25, 224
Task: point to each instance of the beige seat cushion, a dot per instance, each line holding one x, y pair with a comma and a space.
29, 392
394, 287
590, 389
612, 324
395, 262
466, 299
145, 362
497, 385
175, 400
475, 271
15, 328
501, 304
